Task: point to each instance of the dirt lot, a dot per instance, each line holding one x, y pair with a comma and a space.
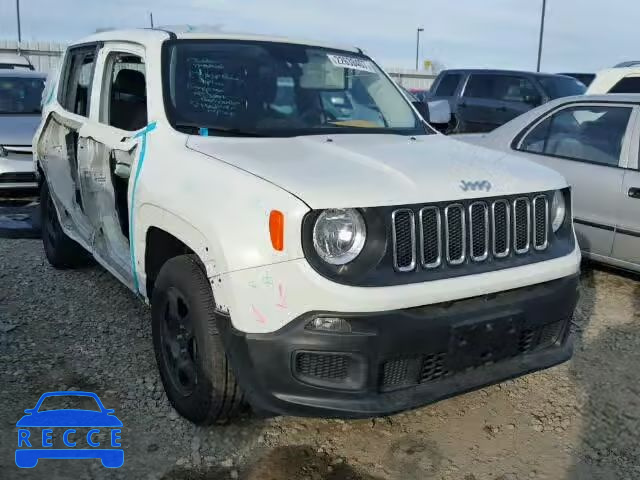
82, 330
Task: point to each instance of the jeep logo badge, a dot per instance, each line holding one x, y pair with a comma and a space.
476, 185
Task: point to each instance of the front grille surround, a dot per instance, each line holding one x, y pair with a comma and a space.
401, 221
454, 217
428, 259
521, 243
501, 209
540, 218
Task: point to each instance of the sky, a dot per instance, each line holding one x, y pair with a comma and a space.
580, 35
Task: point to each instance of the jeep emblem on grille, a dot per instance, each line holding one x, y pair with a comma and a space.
477, 185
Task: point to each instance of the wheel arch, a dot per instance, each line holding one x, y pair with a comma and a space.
164, 236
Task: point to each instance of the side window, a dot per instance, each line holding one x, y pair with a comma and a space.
480, 86
448, 85
124, 101
627, 85
516, 89
592, 134
76, 93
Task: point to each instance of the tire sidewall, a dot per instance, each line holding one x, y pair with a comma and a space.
190, 282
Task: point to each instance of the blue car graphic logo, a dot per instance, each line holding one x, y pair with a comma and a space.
32, 446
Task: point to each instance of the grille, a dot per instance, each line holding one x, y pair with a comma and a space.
433, 367
540, 222
469, 232
18, 177
326, 366
404, 240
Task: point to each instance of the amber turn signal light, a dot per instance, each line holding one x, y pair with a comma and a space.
276, 229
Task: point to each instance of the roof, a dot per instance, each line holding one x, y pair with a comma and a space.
499, 71
148, 36
610, 97
15, 73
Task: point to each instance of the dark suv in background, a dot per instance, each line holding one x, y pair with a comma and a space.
482, 100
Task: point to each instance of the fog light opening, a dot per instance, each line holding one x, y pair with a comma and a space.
330, 324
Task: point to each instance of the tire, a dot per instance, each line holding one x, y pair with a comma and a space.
61, 251
194, 369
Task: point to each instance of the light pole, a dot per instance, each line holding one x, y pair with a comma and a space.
18, 17
544, 9
151, 19
418, 46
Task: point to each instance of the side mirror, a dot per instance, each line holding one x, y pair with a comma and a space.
439, 112
422, 109
533, 100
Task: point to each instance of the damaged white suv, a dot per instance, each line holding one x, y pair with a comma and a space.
306, 242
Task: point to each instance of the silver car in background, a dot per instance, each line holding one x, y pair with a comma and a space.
20, 109
594, 142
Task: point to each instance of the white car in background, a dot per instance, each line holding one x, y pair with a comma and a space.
616, 80
320, 256
593, 141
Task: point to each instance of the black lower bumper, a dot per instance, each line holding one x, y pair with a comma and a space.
398, 360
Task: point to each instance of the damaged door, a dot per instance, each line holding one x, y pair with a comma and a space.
59, 145
108, 145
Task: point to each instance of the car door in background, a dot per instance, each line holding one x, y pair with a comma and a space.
589, 145
626, 243
490, 100
446, 88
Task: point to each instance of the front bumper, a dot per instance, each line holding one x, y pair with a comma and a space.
403, 359
17, 173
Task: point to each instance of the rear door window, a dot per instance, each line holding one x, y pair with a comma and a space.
448, 85
506, 88
76, 92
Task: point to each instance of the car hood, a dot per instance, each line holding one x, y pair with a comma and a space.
371, 170
69, 418
18, 129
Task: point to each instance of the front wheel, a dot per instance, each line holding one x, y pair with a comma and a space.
193, 366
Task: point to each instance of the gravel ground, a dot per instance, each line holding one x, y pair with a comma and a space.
82, 330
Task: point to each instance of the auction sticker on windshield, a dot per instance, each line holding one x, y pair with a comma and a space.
354, 63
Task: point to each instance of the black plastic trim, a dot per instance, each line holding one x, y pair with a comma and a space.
624, 231
601, 226
262, 363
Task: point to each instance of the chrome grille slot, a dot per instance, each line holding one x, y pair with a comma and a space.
521, 225
430, 237
540, 222
455, 234
479, 231
404, 240
501, 226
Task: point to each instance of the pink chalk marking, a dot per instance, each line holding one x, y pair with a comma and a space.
283, 300
259, 315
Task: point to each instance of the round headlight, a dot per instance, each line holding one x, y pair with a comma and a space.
558, 210
339, 235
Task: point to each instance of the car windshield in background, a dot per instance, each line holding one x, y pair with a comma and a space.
558, 87
20, 95
277, 89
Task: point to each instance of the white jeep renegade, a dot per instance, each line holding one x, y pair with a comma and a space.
306, 241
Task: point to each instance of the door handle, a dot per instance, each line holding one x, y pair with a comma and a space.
634, 192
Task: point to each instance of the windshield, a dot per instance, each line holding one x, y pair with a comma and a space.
20, 94
64, 402
278, 89
558, 87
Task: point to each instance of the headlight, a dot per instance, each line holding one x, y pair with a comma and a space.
339, 235
558, 210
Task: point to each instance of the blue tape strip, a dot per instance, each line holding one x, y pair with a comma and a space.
204, 132
132, 242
